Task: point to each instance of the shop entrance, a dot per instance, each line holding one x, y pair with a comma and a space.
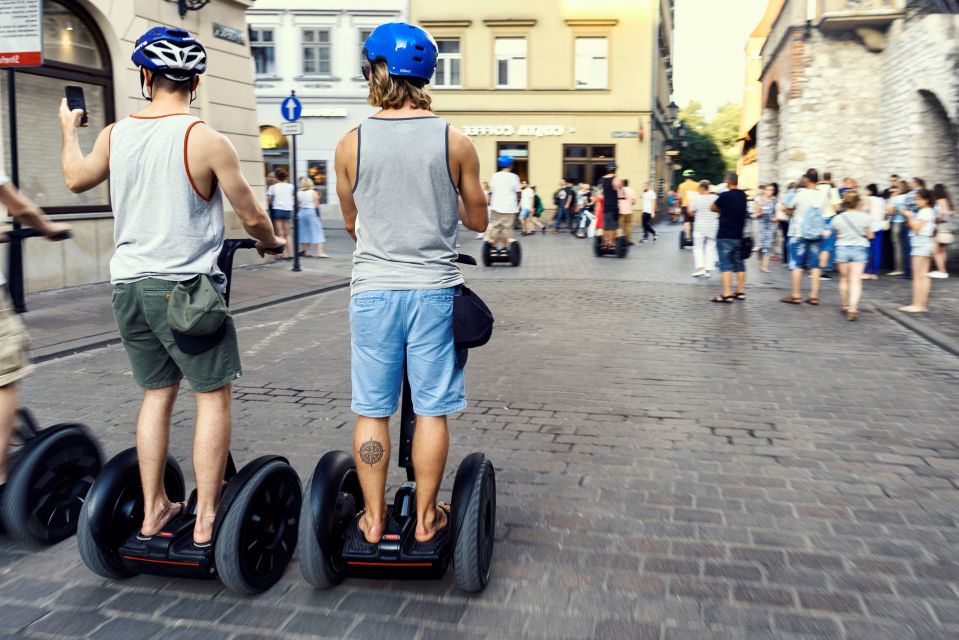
519, 152
587, 163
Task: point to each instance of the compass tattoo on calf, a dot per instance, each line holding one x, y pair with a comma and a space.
371, 452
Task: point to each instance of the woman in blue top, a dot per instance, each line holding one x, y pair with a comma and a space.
311, 229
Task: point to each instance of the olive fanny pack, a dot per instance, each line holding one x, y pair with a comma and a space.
197, 315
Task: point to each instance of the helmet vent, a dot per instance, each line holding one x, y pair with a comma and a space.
419, 48
417, 59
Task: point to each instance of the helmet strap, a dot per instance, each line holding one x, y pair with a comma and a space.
148, 98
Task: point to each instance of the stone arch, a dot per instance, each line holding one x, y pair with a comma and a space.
770, 137
936, 146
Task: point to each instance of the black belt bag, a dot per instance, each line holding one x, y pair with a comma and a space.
472, 320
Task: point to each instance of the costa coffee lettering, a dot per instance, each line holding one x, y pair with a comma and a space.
523, 130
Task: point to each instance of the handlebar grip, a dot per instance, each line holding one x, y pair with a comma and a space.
275, 251
465, 259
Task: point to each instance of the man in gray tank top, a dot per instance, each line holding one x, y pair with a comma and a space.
167, 172
404, 178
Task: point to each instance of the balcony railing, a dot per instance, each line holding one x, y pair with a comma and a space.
841, 15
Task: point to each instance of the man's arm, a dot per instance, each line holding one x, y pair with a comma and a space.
82, 173
217, 153
473, 202
345, 164
27, 212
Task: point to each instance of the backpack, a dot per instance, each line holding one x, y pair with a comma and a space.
813, 224
537, 204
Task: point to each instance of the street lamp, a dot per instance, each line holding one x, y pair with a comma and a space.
190, 5
673, 111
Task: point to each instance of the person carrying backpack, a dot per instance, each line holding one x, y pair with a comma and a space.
806, 227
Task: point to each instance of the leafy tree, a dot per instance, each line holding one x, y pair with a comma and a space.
701, 154
724, 130
692, 116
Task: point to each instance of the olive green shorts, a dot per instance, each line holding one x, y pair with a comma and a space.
14, 341
140, 311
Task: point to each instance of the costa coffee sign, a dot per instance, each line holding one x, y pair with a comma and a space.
523, 130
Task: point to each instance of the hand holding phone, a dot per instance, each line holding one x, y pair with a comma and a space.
75, 100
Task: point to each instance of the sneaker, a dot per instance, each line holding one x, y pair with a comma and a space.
938, 274
697, 274
655, 238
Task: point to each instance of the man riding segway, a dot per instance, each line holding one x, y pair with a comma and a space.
505, 193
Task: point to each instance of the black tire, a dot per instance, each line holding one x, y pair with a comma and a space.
621, 247
113, 511
486, 253
515, 254
682, 239
337, 502
45, 492
598, 246
473, 546
258, 535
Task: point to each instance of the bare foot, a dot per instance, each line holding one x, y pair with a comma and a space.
203, 529
372, 530
436, 519
154, 524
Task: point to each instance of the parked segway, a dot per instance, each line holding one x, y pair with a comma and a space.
333, 498
255, 530
50, 470
513, 254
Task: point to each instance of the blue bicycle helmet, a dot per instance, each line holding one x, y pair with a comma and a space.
407, 50
504, 161
174, 53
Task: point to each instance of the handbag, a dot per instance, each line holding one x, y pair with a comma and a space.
944, 234
472, 320
747, 247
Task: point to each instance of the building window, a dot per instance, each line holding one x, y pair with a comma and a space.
316, 171
364, 36
448, 64
75, 53
587, 163
510, 70
262, 48
316, 52
592, 63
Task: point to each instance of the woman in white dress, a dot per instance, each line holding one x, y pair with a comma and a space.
705, 227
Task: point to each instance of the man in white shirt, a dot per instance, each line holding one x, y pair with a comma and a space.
649, 212
804, 252
526, 200
504, 201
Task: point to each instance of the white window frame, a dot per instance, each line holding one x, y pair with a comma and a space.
445, 60
260, 45
361, 41
517, 68
316, 45
587, 62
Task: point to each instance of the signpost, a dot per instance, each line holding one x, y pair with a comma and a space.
21, 33
291, 109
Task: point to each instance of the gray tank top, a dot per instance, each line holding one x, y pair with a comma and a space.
407, 206
164, 227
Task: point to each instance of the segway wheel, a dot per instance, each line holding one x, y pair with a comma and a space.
487, 253
113, 511
598, 245
259, 532
621, 247
682, 239
515, 254
45, 492
476, 524
331, 502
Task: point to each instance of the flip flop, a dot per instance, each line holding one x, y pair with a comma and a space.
723, 299
791, 300
741, 296
146, 538
440, 538
813, 301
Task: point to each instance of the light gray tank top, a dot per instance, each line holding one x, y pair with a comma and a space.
407, 204
164, 227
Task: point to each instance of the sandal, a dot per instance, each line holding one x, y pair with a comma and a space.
176, 513
740, 295
355, 539
439, 538
724, 299
813, 301
791, 300
852, 316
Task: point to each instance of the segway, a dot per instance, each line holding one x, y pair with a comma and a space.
333, 499
50, 470
685, 239
512, 254
619, 249
254, 533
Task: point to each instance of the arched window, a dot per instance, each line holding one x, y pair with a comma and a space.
75, 53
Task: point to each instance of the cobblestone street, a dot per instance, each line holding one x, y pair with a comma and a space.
667, 468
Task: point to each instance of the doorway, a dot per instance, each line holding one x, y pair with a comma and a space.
519, 152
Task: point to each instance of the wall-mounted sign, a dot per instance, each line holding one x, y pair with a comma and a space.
625, 134
332, 112
525, 130
291, 128
224, 32
21, 33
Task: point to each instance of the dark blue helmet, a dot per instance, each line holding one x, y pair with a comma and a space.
407, 50
504, 161
173, 53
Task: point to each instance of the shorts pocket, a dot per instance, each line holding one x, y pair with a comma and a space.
369, 299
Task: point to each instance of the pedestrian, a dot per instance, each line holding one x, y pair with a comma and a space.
853, 229
14, 341
649, 212
311, 227
400, 206
767, 204
783, 219
922, 227
672, 206
705, 226
733, 208
903, 202
564, 205
280, 197
537, 212
944, 235
584, 215
270, 181
627, 202
168, 172
525, 206
827, 248
611, 189
876, 207
687, 192
805, 235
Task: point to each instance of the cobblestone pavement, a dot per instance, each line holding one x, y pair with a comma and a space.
667, 469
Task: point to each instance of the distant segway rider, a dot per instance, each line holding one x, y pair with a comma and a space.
14, 363
611, 189
403, 177
505, 191
168, 171
687, 200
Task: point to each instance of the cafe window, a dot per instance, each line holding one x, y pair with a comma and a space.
316, 171
74, 54
263, 50
587, 163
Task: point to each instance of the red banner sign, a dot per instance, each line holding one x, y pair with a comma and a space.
21, 33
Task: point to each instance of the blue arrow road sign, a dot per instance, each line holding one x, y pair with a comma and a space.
291, 109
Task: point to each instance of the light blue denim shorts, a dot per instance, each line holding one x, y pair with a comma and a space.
389, 328
852, 254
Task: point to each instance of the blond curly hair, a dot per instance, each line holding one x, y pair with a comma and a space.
395, 92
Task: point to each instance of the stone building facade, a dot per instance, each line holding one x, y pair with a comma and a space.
861, 88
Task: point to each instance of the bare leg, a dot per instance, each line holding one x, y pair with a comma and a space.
765, 263
321, 250
430, 446
843, 284
9, 402
284, 228
372, 465
939, 255
727, 280
814, 284
153, 434
856, 270
797, 283
211, 443
741, 282
921, 282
